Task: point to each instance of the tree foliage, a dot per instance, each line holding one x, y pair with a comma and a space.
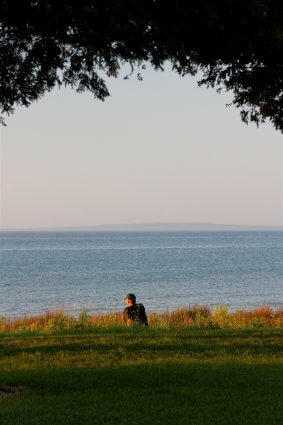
236, 45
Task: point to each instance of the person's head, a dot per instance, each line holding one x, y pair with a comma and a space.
130, 299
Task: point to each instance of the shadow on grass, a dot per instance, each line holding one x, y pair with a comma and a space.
255, 343
176, 394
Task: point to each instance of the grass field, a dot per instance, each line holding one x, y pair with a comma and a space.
142, 376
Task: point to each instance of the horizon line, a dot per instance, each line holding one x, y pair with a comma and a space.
145, 224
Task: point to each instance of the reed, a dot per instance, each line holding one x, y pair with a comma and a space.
197, 316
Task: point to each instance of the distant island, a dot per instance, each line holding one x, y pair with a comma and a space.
156, 227
180, 227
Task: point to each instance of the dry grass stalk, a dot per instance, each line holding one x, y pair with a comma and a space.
196, 316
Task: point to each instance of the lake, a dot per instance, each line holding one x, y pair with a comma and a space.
94, 270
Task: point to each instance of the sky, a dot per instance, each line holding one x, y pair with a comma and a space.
158, 150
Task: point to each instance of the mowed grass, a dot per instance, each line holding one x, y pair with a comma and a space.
143, 376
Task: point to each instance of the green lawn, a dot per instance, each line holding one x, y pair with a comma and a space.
140, 376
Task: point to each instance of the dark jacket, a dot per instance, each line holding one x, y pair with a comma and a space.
135, 313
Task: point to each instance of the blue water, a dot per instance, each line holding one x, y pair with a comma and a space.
77, 270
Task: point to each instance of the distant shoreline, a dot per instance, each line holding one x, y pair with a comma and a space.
151, 227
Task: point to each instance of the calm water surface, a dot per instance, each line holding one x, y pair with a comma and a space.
94, 270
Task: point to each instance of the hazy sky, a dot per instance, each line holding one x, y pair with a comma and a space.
160, 150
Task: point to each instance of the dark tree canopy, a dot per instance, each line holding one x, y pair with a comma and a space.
236, 45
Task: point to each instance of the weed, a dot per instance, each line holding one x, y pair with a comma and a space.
199, 317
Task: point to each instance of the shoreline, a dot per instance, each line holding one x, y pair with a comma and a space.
94, 313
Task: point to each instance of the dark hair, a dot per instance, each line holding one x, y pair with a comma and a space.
131, 297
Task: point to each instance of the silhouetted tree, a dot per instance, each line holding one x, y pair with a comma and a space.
236, 45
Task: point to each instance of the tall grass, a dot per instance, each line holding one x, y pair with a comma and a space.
199, 317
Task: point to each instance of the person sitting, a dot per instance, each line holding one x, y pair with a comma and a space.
134, 314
